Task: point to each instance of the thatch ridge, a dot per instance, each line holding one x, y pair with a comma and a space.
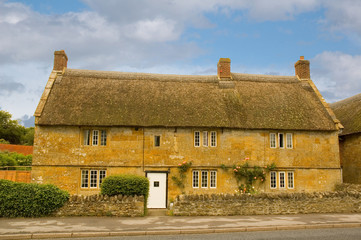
99, 98
348, 111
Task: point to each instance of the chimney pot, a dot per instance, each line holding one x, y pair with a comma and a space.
60, 60
302, 68
224, 68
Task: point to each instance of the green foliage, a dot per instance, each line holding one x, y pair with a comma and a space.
3, 141
224, 167
30, 199
15, 159
246, 176
12, 132
182, 169
128, 185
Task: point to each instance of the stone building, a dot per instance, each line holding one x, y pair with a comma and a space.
92, 124
348, 111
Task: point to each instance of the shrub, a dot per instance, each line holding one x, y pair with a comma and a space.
128, 185
29, 199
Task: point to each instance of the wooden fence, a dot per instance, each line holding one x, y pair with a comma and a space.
17, 175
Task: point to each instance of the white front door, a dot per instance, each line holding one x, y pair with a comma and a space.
157, 190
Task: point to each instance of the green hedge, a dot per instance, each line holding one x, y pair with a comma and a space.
29, 199
128, 185
15, 159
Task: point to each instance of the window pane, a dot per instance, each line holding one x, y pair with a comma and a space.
86, 137
213, 182
289, 140
281, 140
213, 139
103, 138
196, 139
156, 141
273, 140
95, 137
282, 179
205, 139
102, 175
84, 178
195, 179
204, 179
290, 180
93, 178
273, 180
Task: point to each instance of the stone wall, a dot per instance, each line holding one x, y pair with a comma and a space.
99, 205
346, 201
350, 151
60, 156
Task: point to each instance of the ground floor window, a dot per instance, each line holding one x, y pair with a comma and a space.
92, 178
282, 179
207, 178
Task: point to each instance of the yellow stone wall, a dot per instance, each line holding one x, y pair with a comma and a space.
59, 155
350, 151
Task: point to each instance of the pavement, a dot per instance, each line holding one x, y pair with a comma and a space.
75, 227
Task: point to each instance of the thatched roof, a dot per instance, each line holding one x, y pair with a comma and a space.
348, 111
247, 101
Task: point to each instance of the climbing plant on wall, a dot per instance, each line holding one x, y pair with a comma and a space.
246, 176
182, 170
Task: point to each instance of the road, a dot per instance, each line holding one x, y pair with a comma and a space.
307, 234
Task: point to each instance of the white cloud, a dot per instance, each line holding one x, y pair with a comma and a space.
337, 75
343, 15
156, 30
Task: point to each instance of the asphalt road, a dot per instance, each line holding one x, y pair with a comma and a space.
306, 234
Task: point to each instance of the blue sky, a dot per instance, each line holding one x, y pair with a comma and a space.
180, 37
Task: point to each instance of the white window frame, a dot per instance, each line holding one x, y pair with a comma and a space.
197, 138
87, 178
213, 139
84, 179
289, 140
95, 138
281, 140
205, 138
93, 183
273, 140
195, 179
290, 180
213, 179
103, 137
282, 180
204, 176
86, 141
273, 174
102, 174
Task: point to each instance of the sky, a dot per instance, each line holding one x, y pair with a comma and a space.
177, 37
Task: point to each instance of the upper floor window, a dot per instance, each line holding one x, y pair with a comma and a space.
205, 139
213, 139
208, 138
280, 140
197, 139
156, 141
94, 138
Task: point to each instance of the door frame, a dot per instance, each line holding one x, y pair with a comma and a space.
166, 184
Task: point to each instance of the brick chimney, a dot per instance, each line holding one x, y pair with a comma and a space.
302, 68
60, 60
224, 68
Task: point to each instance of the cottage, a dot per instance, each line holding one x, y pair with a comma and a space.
348, 111
92, 124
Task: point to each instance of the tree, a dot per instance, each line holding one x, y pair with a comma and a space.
14, 133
